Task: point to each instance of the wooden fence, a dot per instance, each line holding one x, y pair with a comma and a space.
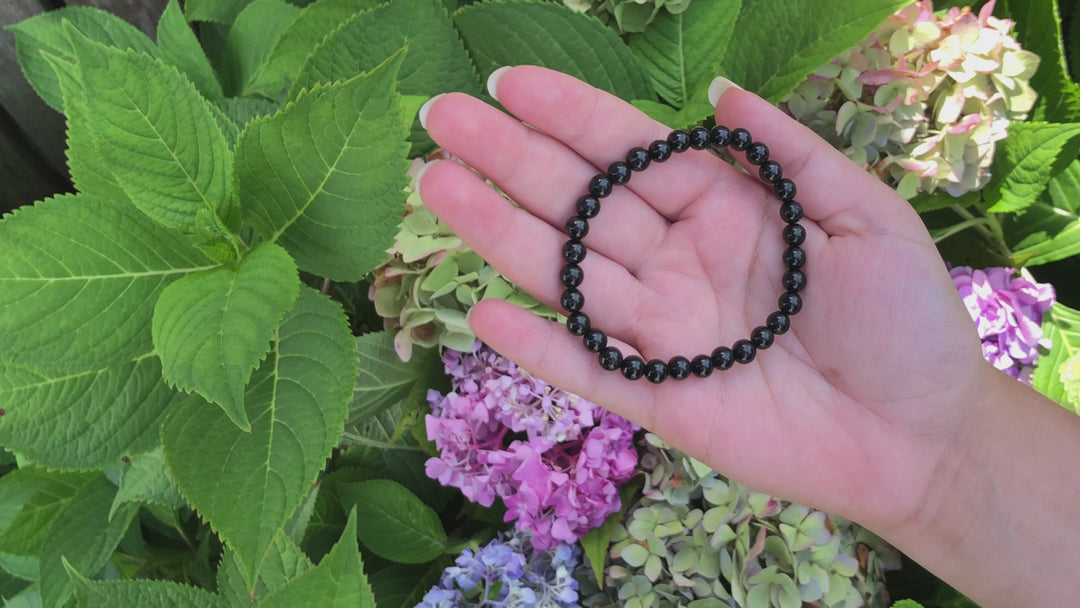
32, 164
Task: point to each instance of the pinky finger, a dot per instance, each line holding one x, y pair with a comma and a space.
547, 350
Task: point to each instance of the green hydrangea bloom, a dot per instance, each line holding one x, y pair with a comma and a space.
628, 15
698, 540
924, 99
432, 279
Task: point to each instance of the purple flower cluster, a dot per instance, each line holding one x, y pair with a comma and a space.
556, 460
1007, 308
505, 574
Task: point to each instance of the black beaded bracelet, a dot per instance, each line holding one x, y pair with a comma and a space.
638, 159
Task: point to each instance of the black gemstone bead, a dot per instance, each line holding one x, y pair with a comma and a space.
638, 159
740, 139
678, 368
577, 323
610, 358
720, 135
794, 280
656, 371
600, 186
679, 140
702, 366
571, 275
743, 351
573, 251
794, 234
572, 300
633, 367
784, 189
699, 138
660, 150
588, 207
794, 257
757, 153
594, 340
791, 211
770, 172
778, 322
761, 337
618, 173
577, 228
722, 357
790, 303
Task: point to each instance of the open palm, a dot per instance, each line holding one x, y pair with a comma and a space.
686, 257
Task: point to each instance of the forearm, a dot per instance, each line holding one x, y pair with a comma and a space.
1001, 518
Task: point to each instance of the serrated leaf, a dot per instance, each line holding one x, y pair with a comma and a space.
84, 419
251, 38
393, 522
28, 598
145, 480
79, 278
242, 110
1026, 161
248, 484
775, 45
1062, 327
1049, 229
144, 594
385, 380
682, 52
1038, 29
284, 562
337, 582
217, 11
292, 49
324, 176
45, 33
157, 134
907, 604
178, 45
211, 329
555, 36
84, 536
30, 501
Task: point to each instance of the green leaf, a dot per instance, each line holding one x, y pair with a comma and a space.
1062, 327
30, 501
84, 419
253, 35
211, 329
84, 536
1049, 229
682, 52
217, 11
145, 480
404, 586
596, 542
1026, 161
337, 582
45, 33
693, 113
907, 604
246, 485
144, 594
385, 379
157, 134
324, 177
1038, 29
775, 45
284, 562
242, 110
555, 36
290, 52
78, 280
178, 45
436, 61
393, 522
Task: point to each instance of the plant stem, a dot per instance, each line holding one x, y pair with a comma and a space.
355, 439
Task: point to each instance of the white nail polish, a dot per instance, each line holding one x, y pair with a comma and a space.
493, 80
717, 88
424, 109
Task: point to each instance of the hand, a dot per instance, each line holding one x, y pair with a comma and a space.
865, 390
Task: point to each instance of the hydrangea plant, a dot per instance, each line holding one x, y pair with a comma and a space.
629, 15
697, 539
924, 99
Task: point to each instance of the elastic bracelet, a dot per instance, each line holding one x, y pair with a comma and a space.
637, 160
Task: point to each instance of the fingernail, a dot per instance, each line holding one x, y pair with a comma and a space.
717, 88
424, 109
420, 174
493, 80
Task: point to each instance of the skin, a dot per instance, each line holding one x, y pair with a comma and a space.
877, 405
